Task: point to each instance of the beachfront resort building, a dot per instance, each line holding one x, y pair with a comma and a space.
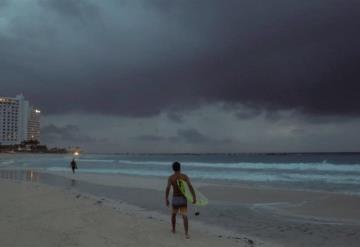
18, 121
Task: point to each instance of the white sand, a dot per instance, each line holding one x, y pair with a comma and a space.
37, 215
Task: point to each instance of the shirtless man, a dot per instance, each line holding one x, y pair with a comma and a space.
73, 165
179, 202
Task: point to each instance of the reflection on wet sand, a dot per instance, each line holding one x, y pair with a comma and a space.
38, 177
73, 182
28, 175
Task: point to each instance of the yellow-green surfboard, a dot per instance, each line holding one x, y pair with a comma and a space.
201, 200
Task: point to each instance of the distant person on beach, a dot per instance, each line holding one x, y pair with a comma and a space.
179, 202
73, 165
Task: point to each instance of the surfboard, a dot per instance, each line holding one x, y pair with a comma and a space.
201, 200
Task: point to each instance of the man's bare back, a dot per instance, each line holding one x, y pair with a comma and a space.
173, 181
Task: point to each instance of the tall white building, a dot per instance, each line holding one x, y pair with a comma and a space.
33, 129
18, 121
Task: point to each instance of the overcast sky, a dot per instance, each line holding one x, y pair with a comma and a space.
187, 76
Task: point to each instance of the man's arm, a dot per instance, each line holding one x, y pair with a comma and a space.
191, 189
167, 191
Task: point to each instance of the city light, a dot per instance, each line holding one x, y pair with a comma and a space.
37, 111
76, 153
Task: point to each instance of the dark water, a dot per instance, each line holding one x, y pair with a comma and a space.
329, 172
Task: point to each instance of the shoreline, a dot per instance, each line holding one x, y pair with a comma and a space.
283, 201
280, 154
287, 201
32, 210
267, 215
157, 182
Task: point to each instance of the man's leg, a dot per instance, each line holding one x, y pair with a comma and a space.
186, 225
173, 219
183, 212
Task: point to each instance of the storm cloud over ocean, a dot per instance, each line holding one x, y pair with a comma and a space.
164, 76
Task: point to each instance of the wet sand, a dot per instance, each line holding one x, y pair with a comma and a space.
326, 205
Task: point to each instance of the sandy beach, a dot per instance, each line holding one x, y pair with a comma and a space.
62, 209
240, 116
37, 215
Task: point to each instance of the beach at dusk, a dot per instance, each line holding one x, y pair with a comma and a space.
179, 123
249, 213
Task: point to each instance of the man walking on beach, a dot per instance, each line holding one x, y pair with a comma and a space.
179, 202
73, 165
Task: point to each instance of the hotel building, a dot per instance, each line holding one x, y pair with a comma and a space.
18, 121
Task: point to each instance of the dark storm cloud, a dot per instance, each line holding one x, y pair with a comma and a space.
150, 138
70, 133
192, 136
175, 117
71, 8
3, 3
188, 136
149, 56
243, 113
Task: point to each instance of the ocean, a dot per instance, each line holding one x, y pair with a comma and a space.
320, 172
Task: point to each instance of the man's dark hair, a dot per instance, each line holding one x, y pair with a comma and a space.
176, 166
